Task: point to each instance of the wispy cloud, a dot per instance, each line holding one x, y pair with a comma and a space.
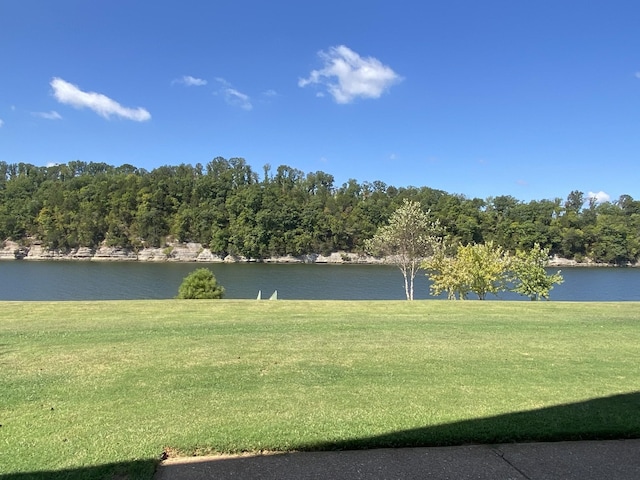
347, 76
600, 197
239, 99
189, 81
104, 106
52, 115
234, 97
1, 123
637, 74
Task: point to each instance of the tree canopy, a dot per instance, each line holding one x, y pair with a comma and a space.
228, 207
488, 269
475, 268
529, 274
406, 240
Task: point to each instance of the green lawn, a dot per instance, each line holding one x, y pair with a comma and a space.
101, 389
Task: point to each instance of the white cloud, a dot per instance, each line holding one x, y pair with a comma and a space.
238, 99
52, 115
1, 123
190, 81
104, 106
234, 97
347, 76
600, 197
637, 74
270, 93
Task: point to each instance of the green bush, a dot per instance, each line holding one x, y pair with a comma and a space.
200, 284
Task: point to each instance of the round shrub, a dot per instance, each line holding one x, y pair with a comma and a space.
200, 284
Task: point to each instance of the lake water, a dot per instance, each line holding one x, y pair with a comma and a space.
31, 280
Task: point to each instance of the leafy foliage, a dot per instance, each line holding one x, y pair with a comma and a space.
482, 268
531, 278
225, 206
488, 268
444, 274
476, 268
406, 240
200, 284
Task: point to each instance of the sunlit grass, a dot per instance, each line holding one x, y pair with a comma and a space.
94, 383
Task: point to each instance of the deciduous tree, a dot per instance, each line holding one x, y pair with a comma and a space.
409, 237
476, 268
529, 274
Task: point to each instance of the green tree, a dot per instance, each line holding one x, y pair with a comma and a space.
529, 274
444, 275
476, 268
409, 237
613, 238
200, 284
483, 268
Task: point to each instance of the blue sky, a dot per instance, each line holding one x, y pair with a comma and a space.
501, 97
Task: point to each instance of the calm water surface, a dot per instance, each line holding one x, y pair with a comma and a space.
29, 280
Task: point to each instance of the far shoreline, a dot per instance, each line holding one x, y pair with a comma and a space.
196, 253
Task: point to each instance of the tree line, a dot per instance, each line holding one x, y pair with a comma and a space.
228, 207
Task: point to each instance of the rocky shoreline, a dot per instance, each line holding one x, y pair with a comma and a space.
195, 252
179, 252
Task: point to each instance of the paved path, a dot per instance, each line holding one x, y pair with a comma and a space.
600, 460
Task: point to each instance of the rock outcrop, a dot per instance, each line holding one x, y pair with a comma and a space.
175, 252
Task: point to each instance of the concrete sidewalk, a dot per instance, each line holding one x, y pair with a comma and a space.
591, 460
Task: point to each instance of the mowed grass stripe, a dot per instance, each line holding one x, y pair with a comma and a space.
94, 383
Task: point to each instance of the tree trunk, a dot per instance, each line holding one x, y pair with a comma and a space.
408, 292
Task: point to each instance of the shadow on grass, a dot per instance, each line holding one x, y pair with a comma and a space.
134, 470
616, 417
607, 418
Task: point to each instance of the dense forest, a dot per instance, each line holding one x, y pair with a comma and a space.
230, 208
